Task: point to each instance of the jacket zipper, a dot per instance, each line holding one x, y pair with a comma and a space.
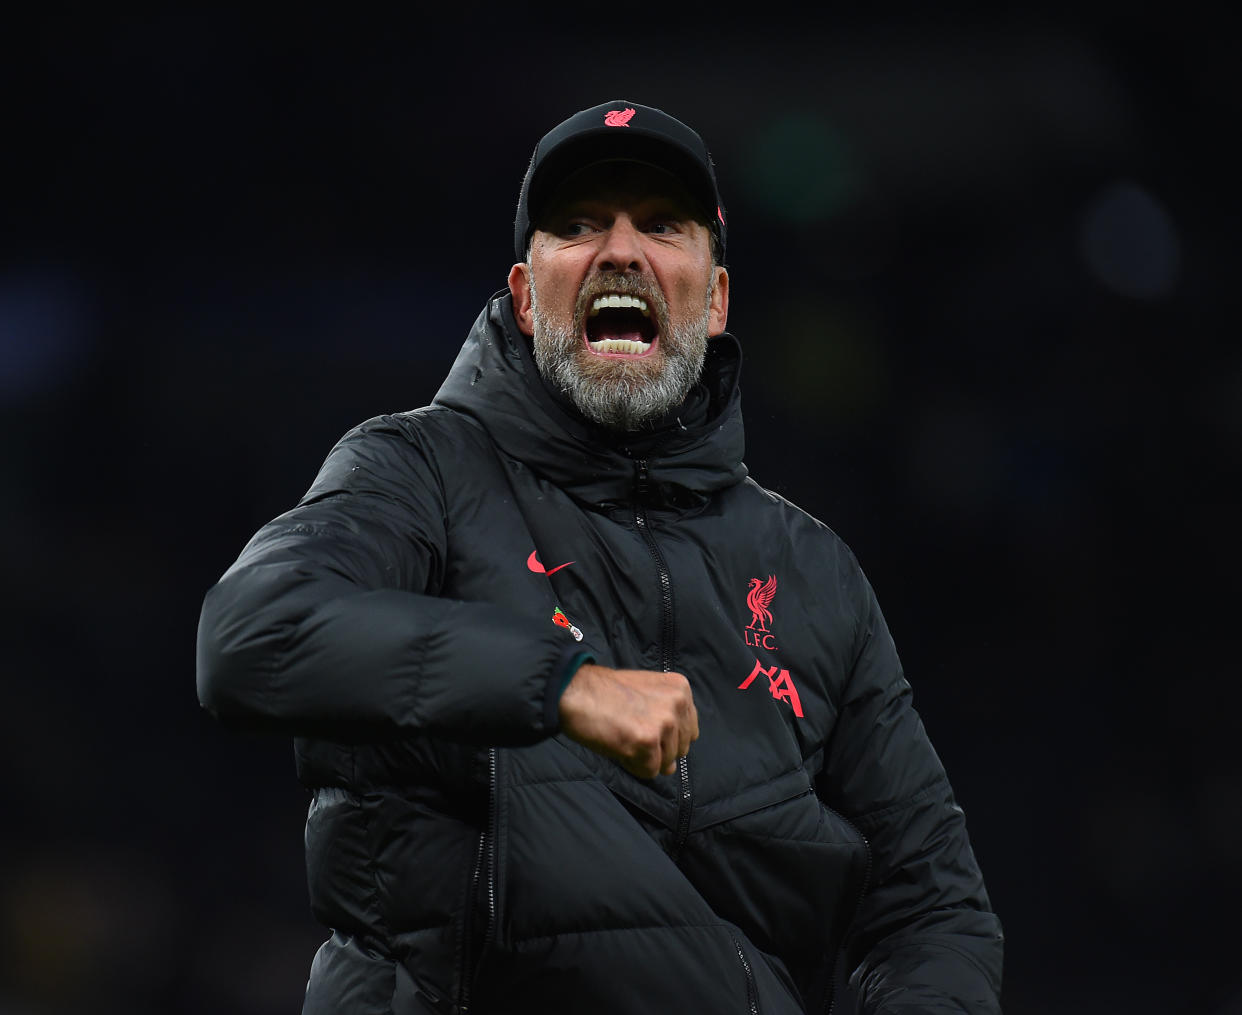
752, 992
484, 871
667, 646
830, 996
463, 990
667, 659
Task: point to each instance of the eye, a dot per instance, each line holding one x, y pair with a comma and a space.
664, 227
569, 225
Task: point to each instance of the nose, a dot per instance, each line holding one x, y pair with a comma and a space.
622, 247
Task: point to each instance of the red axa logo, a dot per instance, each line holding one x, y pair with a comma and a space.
560, 620
758, 599
618, 117
780, 685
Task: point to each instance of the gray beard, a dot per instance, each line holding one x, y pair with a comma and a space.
617, 394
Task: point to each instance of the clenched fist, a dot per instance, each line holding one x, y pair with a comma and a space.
643, 719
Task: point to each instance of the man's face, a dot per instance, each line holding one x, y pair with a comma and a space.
620, 294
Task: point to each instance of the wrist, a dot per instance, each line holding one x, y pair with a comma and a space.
571, 661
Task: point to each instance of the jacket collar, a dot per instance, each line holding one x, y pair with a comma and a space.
495, 381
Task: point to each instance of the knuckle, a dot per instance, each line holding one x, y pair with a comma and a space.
646, 745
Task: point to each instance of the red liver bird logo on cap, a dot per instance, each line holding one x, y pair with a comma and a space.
618, 117
758, 598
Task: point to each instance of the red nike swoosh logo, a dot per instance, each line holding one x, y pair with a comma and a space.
532, 562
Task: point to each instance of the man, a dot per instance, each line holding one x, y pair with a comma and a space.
594, 723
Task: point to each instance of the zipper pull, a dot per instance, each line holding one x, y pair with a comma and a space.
642, 483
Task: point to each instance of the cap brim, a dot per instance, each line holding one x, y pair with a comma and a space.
575, 154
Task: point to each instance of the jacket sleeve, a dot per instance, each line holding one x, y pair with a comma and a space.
924, 938
314, 630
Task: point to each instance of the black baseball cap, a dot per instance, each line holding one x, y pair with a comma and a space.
620, 130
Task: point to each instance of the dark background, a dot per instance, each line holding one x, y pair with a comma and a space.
985, 272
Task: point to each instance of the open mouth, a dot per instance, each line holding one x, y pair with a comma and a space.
619, 325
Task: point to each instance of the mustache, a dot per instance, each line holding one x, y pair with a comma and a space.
623, 284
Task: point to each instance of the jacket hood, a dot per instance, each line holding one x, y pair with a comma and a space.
494, 380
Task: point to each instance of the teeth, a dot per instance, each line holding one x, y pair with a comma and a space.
621, 345
613, 301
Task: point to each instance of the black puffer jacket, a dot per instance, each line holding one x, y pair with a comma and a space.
412, 621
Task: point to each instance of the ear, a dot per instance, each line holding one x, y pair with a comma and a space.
718, 309
519, 289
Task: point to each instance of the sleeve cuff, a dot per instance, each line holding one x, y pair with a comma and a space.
562, 673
